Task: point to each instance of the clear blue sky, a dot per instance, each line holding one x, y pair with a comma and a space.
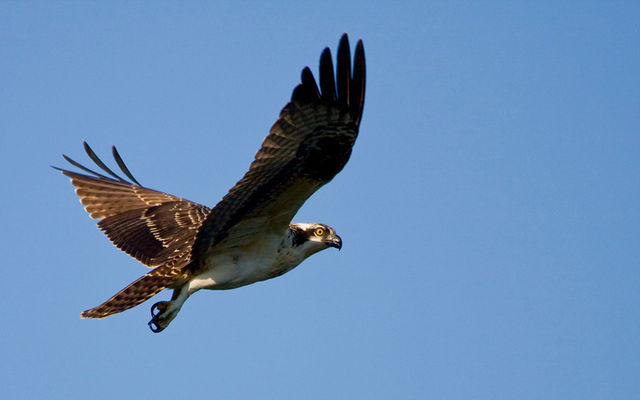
490, 211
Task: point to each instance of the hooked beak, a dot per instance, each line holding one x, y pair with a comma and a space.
335, 242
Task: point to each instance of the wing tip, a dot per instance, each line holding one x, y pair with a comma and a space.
307, 91
342, 86
359, 81
327, 77
98, 162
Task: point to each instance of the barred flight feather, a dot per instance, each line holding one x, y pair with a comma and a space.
141, 222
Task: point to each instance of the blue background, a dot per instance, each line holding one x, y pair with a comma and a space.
489, 211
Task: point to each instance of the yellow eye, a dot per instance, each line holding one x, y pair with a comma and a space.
319, 231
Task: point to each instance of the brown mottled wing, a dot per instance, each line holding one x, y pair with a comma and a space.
306, 147
151, 226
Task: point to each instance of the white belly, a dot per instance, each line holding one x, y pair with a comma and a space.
243, 266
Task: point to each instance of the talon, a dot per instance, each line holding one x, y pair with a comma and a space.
155, 328
159, 308
161, 315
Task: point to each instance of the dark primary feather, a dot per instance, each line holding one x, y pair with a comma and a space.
306, 147
327, 81
122, 165
154, 227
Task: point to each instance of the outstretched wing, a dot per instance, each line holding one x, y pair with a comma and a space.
151, 226
306, 147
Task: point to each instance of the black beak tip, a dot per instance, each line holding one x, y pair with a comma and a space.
337, 243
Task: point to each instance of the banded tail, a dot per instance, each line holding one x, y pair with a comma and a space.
137, 292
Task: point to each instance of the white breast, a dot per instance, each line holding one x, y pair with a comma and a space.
270, 257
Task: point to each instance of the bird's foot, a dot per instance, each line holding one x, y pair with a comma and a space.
162, 314
159, 308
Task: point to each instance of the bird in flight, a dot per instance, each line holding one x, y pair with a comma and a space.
248, 236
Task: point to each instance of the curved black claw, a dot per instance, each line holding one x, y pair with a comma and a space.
159, 308
161, 317
155, 328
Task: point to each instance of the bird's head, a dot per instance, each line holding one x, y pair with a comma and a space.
314, 237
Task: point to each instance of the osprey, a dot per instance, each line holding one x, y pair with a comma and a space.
248, 236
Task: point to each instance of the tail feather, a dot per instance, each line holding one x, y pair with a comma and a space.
137, 292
